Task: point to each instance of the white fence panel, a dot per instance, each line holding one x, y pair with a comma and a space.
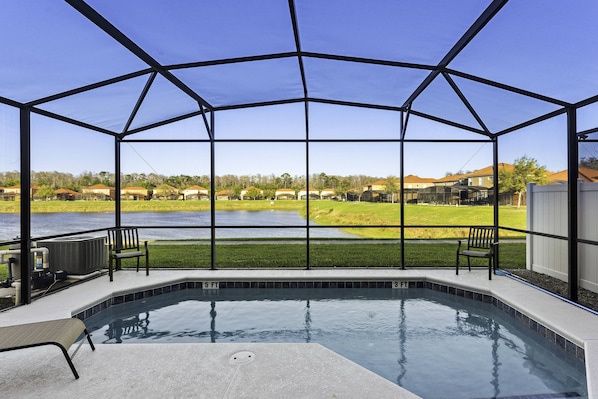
547, 212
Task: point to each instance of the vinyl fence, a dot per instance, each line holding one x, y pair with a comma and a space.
547, 213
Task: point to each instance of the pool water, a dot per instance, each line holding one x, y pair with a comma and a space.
434, 344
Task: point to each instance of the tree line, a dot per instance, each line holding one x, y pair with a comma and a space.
55, 180
526, 170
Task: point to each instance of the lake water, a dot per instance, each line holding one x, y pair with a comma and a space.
194, 224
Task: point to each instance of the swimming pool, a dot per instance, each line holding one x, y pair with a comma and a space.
432, 343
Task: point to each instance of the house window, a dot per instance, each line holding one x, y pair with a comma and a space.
480, 181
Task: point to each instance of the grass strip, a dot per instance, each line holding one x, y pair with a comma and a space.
263, 256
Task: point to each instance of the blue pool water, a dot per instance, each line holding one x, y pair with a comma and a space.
434, 344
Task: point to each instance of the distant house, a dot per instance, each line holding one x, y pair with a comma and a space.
440, 194
225, 195
354, 195
134, 193
586, 175
451, 180
64, 194
473, 188
372, 192
165, 192
98, 192
328, 193
196, 193
485, 177
412, 185
250, 190
449, 190
480, 187
312, 192
413, 182
284, 194
370, 196
4, 196
377, 186
14, 192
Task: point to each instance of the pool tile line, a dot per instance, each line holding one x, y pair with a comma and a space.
533, 325
530, 323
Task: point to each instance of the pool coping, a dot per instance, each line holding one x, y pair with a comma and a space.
571, 328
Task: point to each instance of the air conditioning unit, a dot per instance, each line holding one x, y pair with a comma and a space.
77, 255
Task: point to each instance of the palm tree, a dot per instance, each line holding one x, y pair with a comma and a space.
286, 180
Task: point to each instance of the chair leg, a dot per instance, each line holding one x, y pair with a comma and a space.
147, 264
457, 265
69, 361
93, 348
469, 263
110, 271
490, 268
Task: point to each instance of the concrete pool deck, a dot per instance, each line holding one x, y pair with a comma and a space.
279, 370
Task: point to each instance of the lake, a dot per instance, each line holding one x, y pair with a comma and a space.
193, 224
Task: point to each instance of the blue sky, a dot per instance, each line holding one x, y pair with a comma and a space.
548, 47
61, 147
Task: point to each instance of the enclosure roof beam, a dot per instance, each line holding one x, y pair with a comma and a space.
467, 104
12, 103
120, 37
144, 92
533, 121
163, 122
92, 86
293, 12
447, 122
587, 101
582, 135
503, 86
72, 121
309, 99
473, 30
300, 53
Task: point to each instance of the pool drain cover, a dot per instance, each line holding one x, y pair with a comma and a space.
240, 358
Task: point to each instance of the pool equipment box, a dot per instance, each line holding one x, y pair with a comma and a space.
76, 255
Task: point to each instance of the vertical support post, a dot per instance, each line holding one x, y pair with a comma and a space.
25, 245
212, 195
495, 208
117, 202
307, 246
402, 191
529, 238
572, 199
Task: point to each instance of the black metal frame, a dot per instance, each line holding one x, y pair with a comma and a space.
205, 109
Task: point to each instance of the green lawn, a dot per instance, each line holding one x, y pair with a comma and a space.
329, 213
256, 255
